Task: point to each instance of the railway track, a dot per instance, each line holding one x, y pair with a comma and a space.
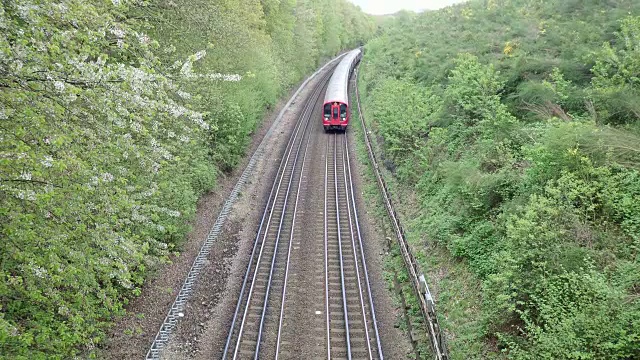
352, 331
263, 290
267, 323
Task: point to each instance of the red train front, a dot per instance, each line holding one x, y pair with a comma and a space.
335, 115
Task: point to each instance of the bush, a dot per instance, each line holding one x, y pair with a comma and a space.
529, 173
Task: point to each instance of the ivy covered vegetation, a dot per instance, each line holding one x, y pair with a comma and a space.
517, 122
114, 117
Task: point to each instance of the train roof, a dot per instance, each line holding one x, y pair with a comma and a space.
337, 91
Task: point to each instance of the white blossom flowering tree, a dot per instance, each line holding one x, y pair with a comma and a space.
100, 156
115, 115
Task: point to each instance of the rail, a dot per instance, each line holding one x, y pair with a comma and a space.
275, 210
418, 280
351, 320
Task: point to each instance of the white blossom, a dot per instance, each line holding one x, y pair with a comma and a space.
136, 216
200, 54
116, 2
59, 85
47, 161
173, 213
125, 283
148, 193
107, 177
176, 110
186, 68
167, 155
186, 72
197, 118
28, 195
136, 127
38, 271
25, 176
119, 33
25, 9
184, 95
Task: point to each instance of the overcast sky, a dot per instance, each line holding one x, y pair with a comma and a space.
380, 7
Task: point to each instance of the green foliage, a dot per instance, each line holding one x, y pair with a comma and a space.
528, 171
616, 70
115, 116
395, 102
471, 92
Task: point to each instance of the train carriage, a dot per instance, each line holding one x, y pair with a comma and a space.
336, 101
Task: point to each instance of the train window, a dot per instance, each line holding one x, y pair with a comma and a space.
327, 110
343, 111
335, 112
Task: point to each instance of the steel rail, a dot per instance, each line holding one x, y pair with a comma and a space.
286, 272
288, 158
362, 256
326, 250
275, 253
268, 207
262, 247
306, 114
344, 291
332, 203
268, 210
348, 182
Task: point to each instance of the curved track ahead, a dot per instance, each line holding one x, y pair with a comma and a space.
266, 323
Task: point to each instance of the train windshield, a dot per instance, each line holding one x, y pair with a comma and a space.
343, 111
327, 110
335, 112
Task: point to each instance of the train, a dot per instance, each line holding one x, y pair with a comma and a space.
335, 114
